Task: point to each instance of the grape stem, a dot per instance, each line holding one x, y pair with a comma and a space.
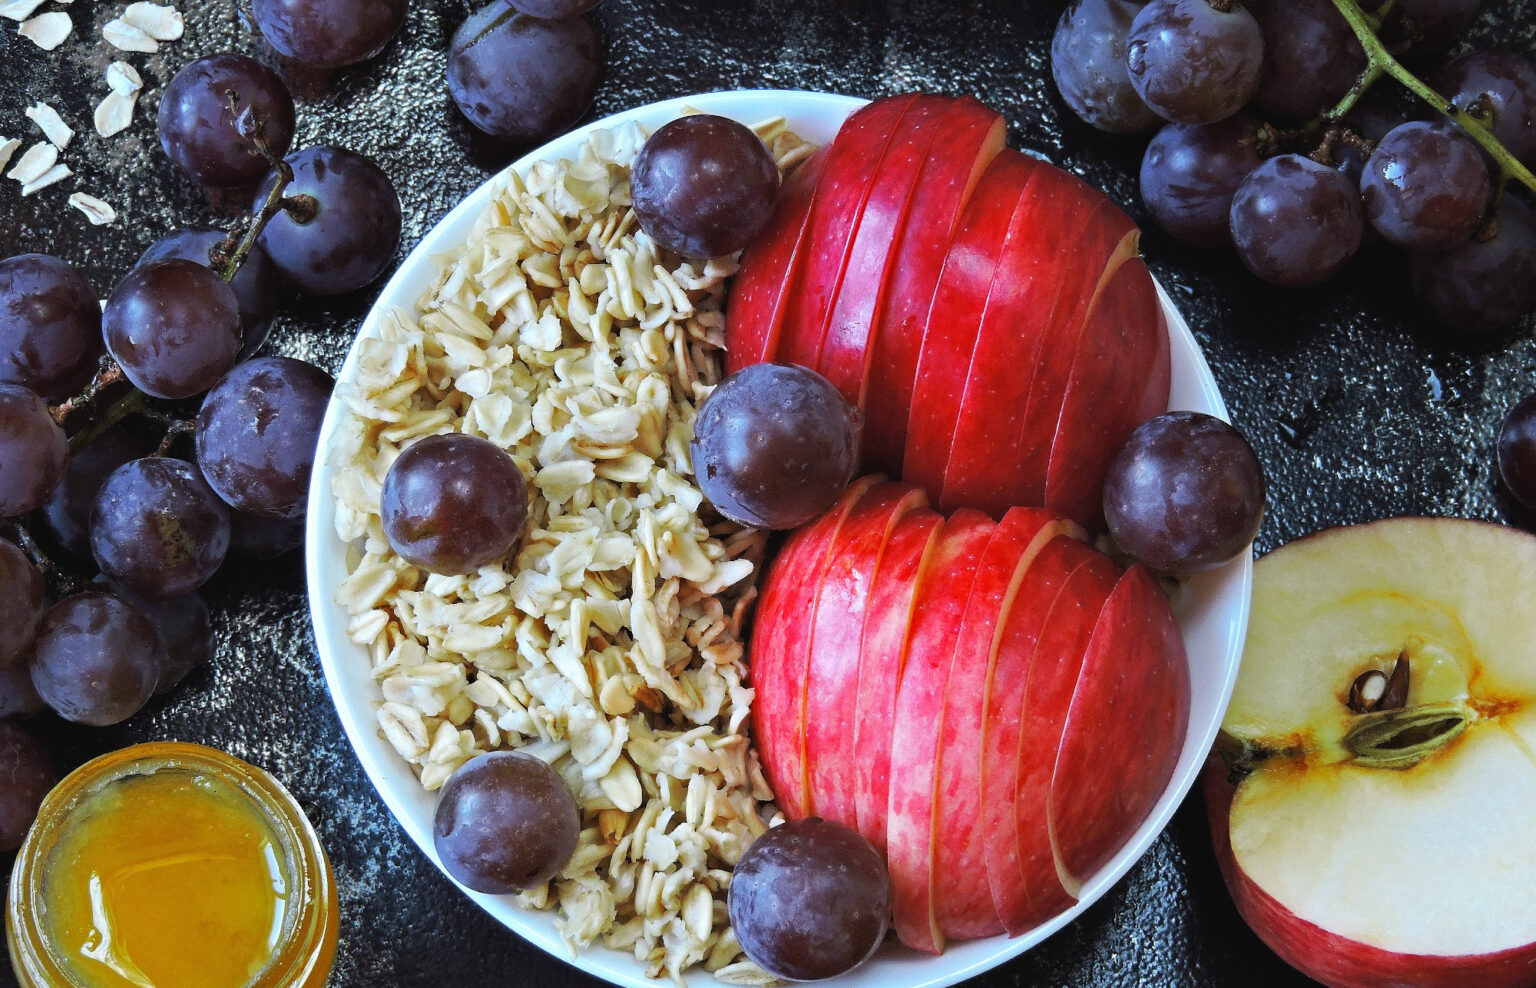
174, 428
256, 132
65, 584
107, 373
128, 404
1381, 62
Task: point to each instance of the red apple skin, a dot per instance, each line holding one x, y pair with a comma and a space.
949, 177
904, 569
964, 899
759, 292
1337, 961
928, 129
954, 321
847, 177
1127, 723
832, 682
1050, 268
779, 649
912, 809
1037, 892
1117, 371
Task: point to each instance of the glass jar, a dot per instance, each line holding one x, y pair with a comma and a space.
169, 864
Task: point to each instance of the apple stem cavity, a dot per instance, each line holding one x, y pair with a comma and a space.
1400, 739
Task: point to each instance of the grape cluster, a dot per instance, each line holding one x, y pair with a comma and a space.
1262, 143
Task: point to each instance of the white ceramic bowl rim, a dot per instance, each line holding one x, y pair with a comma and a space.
1212, 610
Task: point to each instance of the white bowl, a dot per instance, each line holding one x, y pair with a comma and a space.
1213, 608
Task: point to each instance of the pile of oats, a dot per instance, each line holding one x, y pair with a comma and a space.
609, 644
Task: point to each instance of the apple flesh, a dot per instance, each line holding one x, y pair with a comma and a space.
1388, 846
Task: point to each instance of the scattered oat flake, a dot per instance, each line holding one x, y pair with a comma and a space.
57, 173
159, 22
19, 10
51, 124
124, 78
7, 148
114, 114
47, 31
125, 37
98, 212
39, 158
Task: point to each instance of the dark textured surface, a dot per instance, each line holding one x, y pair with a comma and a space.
1357, 410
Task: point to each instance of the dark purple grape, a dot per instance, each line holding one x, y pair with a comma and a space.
505, 822
1485, 283
703, 186
257, 431
18, 697
28, 776
329, 33
257, 284
212, 142
351, 231
264, 538
1088, 64
1311, 56
95, 661
1192, 63
774, 446
1296, 222
33, 451
1426, 186
1499, 88
554, 9
21, 603
1517, 451
1184, 494
183, 632
810, 900
523, 78
65, 520
1430, 25
50, 326
158, 529
454, 503
1190, 173
1369, 123
174, 326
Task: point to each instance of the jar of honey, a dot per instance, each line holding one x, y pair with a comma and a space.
171, 865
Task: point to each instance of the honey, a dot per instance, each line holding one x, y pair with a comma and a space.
171, 866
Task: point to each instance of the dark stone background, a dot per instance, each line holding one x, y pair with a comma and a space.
1357, 409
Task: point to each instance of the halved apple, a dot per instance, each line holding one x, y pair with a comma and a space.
1373, 792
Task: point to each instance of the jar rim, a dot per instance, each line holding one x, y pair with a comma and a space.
304, 954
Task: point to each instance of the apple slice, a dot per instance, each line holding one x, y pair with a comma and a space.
832, 684
948, 178
1049, 265
759, 292
905, 567
1117, 370
936, 615
964, 291
1124, 731
1388, 845
1036, 891
853, 158
779, 648
926, 130
964, 899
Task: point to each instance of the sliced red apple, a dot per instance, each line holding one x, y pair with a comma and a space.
1116, 370
832, 684
948, 178
1379, 834
759, 293
853, 159
1123, 732
780, 648
928, 129
964, 900
936, 616
951, 330
905, 568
